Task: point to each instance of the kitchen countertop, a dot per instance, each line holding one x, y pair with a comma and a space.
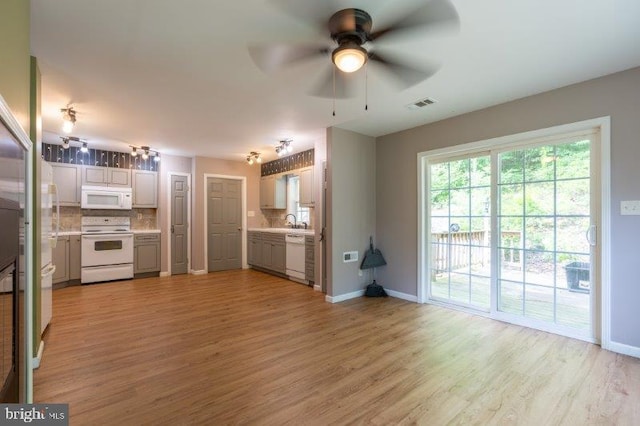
68, 233
285, 230
145, 231
135, 231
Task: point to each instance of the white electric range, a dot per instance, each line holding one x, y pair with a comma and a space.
107, 249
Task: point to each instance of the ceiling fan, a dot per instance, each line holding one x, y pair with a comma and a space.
354, 38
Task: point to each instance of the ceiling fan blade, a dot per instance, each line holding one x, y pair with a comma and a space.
274, 57
406, 75
345, 85
434, 15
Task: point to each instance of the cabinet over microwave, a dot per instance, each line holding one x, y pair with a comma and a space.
105, 198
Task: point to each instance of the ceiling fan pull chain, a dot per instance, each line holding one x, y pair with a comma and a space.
366, 87
334, 91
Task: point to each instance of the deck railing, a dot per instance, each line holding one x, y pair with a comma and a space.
457, 250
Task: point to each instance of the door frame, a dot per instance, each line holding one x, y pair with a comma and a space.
602, 328
170, 215
243, 180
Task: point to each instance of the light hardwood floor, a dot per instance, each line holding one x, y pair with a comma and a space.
244, 347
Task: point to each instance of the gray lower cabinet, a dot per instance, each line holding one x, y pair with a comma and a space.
60, 257
309, 259
267, 250
74, 257
146, 253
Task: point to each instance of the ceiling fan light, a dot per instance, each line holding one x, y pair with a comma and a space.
250, 160
67, 126
258, 159
349, 57
65, 143
84, 148
156, 158
134, 152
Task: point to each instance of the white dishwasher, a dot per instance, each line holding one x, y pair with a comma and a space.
295, 256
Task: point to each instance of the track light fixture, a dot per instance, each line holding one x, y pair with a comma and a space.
66, 143
144, 152
254, 157
284, 147
68, 119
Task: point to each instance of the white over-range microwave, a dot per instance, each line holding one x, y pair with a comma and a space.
105, 198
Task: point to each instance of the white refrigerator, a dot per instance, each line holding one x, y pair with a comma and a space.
49, 199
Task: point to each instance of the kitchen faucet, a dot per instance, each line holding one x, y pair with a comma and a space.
295, 221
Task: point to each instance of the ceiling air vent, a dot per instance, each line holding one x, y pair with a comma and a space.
421, 103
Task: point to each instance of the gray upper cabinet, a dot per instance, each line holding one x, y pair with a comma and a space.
68, 178
306, 187
273, 192
106, 176
145, 189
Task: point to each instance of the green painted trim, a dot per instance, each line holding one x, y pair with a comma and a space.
36, 152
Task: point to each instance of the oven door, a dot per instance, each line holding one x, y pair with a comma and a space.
107, 249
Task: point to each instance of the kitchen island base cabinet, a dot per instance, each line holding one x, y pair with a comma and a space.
267, 251
146, 255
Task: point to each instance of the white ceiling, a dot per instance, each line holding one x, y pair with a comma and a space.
176, 74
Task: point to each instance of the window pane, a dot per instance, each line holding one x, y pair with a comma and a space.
539, 267
572, 309
571, 234
512, 167
460, 202
539, 198
439, 176
572, 197
481, 201
511, 200
481, 171
539, 163
481, 292
539, 233
460, 287
539, 302
511, 297
459, 172
573, 160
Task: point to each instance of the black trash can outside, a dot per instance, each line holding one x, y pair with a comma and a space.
576, 272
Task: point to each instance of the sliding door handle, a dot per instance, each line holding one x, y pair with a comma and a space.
591, 235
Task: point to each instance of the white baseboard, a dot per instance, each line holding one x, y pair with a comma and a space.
317, 287
36, 361
165, 274
198, 272
343, 297
623, 349
403, 296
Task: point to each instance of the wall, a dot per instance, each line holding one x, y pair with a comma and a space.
15, 58
168, 164
617, 95
202, 166
351, 207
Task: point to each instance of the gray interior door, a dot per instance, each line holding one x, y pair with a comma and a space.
224, 224
179, 224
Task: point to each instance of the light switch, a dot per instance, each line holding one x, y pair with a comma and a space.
630, 207
251, 213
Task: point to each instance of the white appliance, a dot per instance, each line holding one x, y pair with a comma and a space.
295, 257
49, 238
105, 198
107, 249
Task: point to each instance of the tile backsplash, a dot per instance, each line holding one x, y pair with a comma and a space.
70, 217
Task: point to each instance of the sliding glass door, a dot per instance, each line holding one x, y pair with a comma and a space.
545, 226
511, 232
